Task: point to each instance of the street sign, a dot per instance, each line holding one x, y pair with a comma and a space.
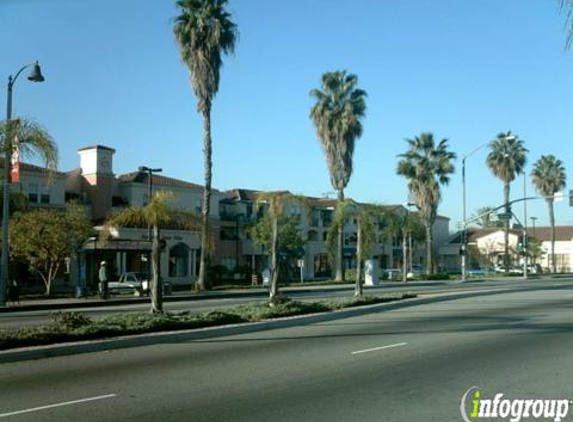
300, 263
504, 216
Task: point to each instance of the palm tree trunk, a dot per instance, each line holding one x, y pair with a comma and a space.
429, 241
157, 288
404, 258
208, 164
506, 228
552, 223
358, 291
274, 288
340, 251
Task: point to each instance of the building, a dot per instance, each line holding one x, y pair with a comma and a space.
96, 187
486, 248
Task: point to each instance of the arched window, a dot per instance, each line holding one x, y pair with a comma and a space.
179, 260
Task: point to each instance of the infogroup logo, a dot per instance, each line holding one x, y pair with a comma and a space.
474, 406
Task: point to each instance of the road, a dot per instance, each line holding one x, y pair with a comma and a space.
409, 364
15, 320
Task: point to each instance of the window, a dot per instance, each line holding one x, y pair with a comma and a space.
145, 199
312, 235
198, 206
33, 193
230, 263
45, 197
179, 260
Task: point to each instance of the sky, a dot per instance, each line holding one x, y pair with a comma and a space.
464, 70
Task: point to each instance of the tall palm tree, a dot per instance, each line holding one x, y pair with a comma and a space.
28, 139
158, 213
337, 115
567, 9
204, 31
506, 159
427, 166
548, 176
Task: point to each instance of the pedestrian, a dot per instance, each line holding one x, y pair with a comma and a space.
13, 291
103, 281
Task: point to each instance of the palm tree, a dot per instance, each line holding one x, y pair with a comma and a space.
548, 176
276, 202
427, 166
204, 31
28, 139
158, 213
506, 160
337, 116
567, 9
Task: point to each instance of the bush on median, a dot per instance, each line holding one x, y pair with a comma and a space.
74, 326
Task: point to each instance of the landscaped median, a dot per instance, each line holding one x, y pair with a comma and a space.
72, 326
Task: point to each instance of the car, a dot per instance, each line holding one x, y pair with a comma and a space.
132, 281
391, 274
480, 271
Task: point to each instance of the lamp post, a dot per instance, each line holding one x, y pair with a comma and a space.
533, 219
149, 172
525, 226
464, 210
34, 76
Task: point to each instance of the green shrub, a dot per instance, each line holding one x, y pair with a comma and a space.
70, 320
73, 326
350, 274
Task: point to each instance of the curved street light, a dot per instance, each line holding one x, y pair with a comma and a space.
34, 76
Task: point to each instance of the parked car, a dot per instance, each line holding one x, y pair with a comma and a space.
133, 282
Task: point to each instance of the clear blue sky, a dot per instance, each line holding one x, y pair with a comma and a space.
462, 69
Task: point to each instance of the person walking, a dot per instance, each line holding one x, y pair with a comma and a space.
103, 281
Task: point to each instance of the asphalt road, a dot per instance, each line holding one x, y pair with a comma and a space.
410, 364
15, 320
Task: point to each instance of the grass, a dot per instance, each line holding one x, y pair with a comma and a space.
74, 326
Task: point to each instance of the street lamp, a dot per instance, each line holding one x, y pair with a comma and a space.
464, 211
149, 172
34, 76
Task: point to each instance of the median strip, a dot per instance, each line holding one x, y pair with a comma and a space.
375, 349
51, 406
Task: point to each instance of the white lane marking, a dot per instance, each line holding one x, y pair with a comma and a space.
51, 406
380, 348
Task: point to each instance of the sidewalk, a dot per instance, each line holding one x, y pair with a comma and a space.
73, 303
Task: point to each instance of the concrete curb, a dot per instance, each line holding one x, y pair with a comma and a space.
66, 349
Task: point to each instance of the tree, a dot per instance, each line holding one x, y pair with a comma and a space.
337, 116
367, 217
506, 159
548, 177
291, 240
204, 31
276, 203
485, 217
28, 139
403, 226
158, 214
44, 238
427, 166
567, 9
